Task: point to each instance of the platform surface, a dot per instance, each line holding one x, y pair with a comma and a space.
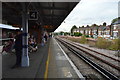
49, 61
59, 63
35, 70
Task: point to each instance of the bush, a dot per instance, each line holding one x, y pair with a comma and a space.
103, 43
71, 34
92, 36
83, 40
115, 45
86, 36
77, 34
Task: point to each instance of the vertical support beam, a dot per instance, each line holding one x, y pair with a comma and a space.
39, 36
25, 57
119, 19
119, 30
0, 41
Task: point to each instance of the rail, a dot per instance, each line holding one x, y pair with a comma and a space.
112, 65
100, 69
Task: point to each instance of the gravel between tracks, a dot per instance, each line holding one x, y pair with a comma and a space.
107, 67
83, 67
107, 52
104, 51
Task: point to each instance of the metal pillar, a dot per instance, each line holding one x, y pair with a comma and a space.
0, 41
25, 57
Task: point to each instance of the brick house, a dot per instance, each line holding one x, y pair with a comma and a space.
82, 30
101, 32
94, 30
107, 32
115, 29
75, 30
87, 30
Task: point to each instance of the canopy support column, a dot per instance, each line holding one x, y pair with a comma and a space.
25, 57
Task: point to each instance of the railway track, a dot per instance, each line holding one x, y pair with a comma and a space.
108, 60
104, 72
98, 53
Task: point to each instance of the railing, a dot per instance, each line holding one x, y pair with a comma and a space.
2, 41
6, 39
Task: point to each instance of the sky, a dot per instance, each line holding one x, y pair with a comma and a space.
88, 12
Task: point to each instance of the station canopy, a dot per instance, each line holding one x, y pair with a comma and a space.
49, 15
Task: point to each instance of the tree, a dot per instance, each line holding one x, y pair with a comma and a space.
114, 20
61, 33
82, 26
104, 24
87, 26
66, 33
93, 25
74, 27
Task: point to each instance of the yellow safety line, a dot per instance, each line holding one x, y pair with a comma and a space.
47, 63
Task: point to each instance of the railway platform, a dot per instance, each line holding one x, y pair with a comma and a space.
50, 61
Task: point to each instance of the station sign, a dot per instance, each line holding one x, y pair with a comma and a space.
33, 15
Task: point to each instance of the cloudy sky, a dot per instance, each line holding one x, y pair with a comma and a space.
88, 12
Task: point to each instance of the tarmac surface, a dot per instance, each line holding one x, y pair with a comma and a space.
50, 61
35, 70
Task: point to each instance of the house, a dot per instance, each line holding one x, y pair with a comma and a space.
87, 30
115, 29
101, 30
82, 30
75, 30
94, 31
107, 32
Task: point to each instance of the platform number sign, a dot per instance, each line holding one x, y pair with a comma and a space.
33, 15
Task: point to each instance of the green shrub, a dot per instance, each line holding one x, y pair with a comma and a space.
86, 36
103, 43
118, 44
77, 34
92, 36
72, 34
83, 40
80, 34
115, 45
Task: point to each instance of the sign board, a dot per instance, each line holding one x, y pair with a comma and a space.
33, 15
